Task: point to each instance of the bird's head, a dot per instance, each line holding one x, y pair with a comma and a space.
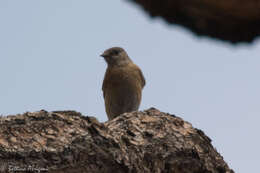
116, 56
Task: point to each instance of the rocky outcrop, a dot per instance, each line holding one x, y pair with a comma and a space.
66, 141
234, 20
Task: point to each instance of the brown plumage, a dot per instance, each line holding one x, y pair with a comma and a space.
123, 83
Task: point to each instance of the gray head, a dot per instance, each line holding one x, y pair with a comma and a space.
116, 56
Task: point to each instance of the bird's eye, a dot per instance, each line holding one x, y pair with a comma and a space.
115, 52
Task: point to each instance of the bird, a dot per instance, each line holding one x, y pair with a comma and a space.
123, 83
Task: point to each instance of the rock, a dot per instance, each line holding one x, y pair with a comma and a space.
66, 141
233, 21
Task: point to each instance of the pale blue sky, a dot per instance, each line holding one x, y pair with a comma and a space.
49, 59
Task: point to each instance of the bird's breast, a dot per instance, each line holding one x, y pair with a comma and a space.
122, 79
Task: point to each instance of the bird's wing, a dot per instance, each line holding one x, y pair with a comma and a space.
104, 84
142, 77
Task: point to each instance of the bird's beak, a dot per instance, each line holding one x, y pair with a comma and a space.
103, 55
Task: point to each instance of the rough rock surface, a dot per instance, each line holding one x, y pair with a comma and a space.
231, 20
66, 141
